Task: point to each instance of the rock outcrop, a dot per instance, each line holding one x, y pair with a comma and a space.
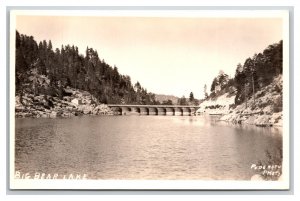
265, 110
46, 106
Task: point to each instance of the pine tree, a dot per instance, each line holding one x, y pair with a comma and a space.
191, 97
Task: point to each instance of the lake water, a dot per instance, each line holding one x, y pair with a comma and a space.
142, 147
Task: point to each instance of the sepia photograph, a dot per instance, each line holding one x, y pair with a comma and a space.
195, 99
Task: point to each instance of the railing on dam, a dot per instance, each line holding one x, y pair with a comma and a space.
169, 110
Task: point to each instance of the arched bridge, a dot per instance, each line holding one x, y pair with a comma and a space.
169, 110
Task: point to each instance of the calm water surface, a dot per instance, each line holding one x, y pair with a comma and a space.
142, 147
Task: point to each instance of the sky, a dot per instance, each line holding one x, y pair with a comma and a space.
172, 56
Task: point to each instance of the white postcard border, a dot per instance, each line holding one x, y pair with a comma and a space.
156, 184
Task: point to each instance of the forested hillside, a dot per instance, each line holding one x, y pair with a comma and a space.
166, 99
254, 95
65, 67
256, 73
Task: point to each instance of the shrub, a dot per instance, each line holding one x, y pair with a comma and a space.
263, 104
278, 104
278, 88
232, 106
261, 94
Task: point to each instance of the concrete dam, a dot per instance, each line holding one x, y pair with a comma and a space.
168, 110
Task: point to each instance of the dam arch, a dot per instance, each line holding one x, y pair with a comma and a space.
167, 110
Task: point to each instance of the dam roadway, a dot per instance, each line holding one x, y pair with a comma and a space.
168, 110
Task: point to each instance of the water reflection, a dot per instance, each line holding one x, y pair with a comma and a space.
142, 147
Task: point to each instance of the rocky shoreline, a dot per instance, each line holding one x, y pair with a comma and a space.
258, 119
77, 103
263, 111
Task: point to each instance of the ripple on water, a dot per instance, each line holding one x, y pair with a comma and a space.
139, 147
